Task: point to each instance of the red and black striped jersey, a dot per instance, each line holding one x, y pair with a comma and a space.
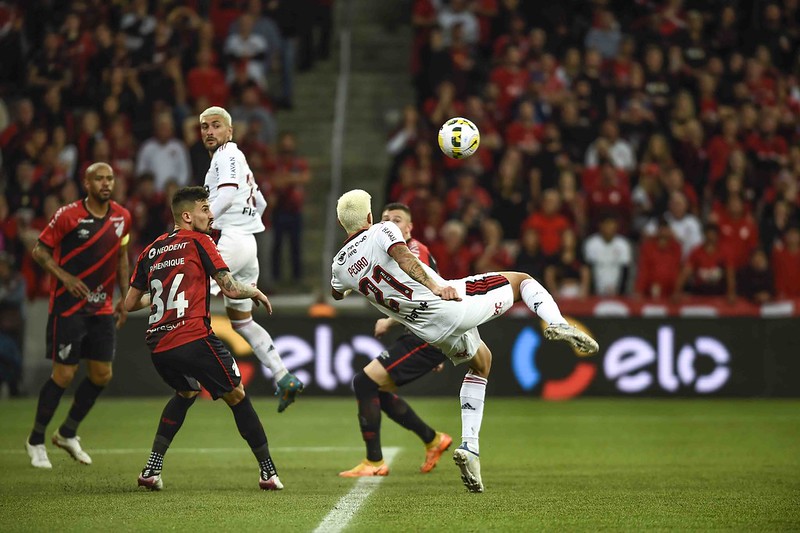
176, 269
87, 247
422, 253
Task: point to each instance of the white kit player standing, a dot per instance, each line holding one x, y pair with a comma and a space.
376, 262
237, 205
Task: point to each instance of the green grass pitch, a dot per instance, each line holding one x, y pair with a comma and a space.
581, 465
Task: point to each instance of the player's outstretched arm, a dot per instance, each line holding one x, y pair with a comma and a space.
136, 299
44, 256
412, 266
239, 291
382, 325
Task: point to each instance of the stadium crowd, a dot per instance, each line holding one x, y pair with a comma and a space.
642, 148
124, 82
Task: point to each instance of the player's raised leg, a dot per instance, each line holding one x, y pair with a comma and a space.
288, 386
252, 431
541, 302
169, 424
473, 395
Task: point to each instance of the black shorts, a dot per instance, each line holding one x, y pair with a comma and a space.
409, 358
76, 337
205, 360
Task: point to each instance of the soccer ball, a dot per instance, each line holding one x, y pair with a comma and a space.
459, 138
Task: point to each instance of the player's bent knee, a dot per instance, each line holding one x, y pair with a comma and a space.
377, 373
481, 364
187, 394
363, 385
64, 374
101, 377
235, 396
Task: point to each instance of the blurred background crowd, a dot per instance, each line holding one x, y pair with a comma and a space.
124, 82
629, 148
644, 148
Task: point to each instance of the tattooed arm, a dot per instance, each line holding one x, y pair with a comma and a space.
413, 267
136, 299
239, 291
44, 256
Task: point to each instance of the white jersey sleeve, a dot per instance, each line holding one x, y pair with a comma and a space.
229, 168
364, 265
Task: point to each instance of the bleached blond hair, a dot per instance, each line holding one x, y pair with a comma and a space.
352, 209
216, 110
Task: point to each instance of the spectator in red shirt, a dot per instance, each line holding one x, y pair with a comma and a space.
452, 257
659, 264
708, 270
786, 265
719, 148
738, 231
549, 223
525, 133
511, 79
206, 80
444, 105
290, 175
466, 191
767, 148
609, 195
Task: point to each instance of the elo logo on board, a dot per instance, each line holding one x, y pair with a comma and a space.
627, 360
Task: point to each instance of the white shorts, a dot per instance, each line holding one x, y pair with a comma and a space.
484, 297
240, 253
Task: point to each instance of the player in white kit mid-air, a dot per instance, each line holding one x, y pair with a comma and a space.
376, 262
237, 205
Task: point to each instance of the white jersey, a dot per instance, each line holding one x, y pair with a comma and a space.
363, 264
229, 168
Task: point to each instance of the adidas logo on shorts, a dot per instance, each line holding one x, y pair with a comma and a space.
467, 406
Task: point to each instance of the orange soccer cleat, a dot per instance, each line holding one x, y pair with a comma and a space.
366, 469
434, 451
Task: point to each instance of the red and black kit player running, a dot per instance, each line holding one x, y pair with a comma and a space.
84, 248
172, 277
407, 359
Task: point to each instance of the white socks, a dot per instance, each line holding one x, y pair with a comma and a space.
262, 345
473, 392
540, 301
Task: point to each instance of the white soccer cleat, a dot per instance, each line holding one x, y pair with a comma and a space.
150, 479
271, 483
572, 335
73, 447
470, 465
38, 455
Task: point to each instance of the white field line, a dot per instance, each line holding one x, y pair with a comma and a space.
347, 507
243, 449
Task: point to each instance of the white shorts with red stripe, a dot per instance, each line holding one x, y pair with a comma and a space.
484, 298
240, 253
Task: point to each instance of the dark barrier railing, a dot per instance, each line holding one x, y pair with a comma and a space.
638, 357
